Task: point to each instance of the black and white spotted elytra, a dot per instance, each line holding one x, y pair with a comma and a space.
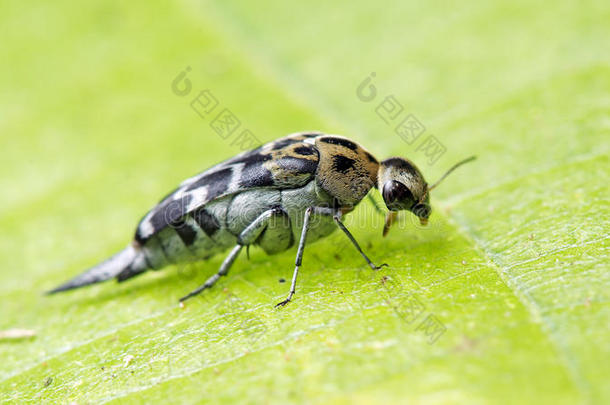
266, 197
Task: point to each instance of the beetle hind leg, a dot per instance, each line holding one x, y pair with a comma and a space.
224, 269
247, 237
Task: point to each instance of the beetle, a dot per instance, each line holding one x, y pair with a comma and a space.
266, 197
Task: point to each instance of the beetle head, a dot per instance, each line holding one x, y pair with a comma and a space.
403, 187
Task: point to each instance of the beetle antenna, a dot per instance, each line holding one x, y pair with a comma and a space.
455, 166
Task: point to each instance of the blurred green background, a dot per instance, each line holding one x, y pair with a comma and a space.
514, 265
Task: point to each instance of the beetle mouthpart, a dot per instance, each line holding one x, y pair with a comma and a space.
423, 221
390, 217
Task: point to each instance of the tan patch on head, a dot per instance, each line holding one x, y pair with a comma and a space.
404, 171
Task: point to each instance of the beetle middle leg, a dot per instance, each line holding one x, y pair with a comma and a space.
299, 259
336, 214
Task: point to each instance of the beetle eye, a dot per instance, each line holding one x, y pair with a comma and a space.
397, 196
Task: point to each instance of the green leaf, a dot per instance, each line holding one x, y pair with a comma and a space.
503, 298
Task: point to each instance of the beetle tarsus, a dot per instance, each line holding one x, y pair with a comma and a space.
282, 303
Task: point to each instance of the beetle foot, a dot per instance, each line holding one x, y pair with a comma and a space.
281, 304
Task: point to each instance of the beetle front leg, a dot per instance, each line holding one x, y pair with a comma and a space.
336, 214
337, 219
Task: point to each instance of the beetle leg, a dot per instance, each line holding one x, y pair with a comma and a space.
224, 269
337, 218
299, 258
245, 238
256, 228
336, 214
